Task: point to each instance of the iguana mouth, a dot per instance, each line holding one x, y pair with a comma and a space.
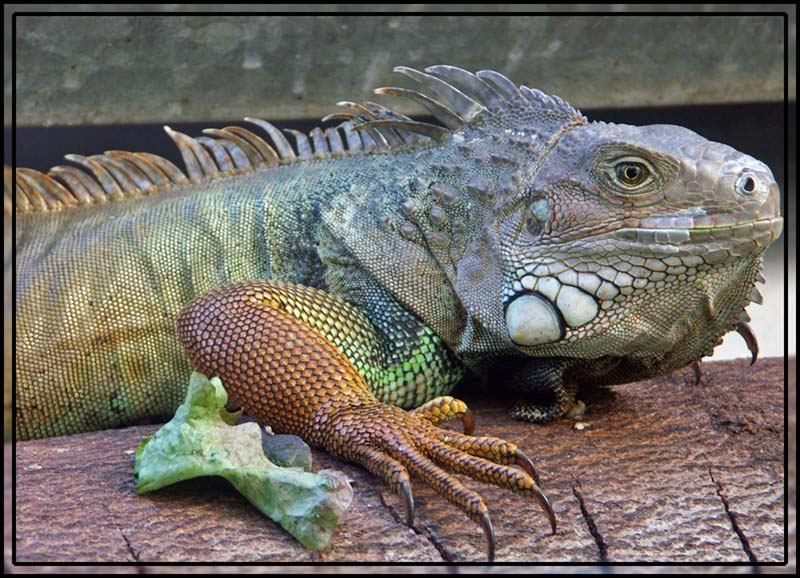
549, 301
747, 237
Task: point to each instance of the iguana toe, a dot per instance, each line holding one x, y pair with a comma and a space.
445, 407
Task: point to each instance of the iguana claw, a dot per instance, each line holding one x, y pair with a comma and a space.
526, 464
488, 531
469, 424
544, 503
408, 501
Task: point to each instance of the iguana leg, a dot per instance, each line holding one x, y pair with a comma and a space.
563, 403
403, 360
263, 340
559, 379
537, 380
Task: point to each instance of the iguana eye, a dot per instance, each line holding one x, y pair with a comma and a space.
624, 176
632, 173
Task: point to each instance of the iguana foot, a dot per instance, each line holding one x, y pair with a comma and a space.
396, 445
260, 338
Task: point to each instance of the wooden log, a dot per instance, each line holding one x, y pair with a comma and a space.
666, 471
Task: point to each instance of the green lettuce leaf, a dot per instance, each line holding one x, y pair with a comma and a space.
201, 441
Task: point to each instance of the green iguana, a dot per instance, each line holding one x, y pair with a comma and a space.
377, 261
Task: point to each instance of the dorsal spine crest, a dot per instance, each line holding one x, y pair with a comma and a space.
458, 99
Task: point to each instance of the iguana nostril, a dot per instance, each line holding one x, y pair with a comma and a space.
746, 184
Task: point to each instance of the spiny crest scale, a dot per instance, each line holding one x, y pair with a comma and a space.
455, 97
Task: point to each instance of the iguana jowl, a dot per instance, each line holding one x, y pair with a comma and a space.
385, 257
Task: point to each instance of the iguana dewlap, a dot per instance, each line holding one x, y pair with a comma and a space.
384, 257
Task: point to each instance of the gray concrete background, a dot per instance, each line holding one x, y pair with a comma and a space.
131, 69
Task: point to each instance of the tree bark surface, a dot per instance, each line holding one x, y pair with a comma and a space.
661, 471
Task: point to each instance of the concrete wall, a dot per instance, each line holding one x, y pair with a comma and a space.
129, 69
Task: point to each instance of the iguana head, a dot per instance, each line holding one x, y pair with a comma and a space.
636, 241
535, 232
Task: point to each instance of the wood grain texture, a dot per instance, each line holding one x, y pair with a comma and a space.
667, 472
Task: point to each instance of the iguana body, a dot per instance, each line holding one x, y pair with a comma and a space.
519, 237
118, 301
